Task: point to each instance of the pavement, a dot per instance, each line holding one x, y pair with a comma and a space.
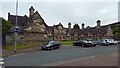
6, 53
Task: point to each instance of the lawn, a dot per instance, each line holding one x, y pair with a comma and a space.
22, 46
30, 45
67, 42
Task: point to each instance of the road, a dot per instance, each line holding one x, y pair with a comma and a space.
65, 53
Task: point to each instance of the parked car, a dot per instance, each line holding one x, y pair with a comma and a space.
51, 45
116, 42
84, 43
102, 42
93, 43
1, 62
110, 41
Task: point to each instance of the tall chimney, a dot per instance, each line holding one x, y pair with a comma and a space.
83, 25
69, 25
31, 11
98, 23
8, 16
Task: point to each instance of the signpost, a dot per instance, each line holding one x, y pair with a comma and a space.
16, 29
15, 34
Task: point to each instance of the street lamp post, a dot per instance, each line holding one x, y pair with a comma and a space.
16, 28
53, 33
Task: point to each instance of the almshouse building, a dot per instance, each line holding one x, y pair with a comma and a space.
34, 28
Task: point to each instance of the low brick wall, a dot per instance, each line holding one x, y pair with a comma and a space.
26, 38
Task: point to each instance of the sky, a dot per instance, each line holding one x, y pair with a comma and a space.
65, 11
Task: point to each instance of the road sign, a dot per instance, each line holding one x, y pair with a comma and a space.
16, 29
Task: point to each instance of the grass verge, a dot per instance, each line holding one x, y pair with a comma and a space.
30, 45
67, 42
22, 46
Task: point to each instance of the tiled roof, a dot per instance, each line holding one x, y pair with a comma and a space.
56, 26
49, 28
21, 20
73, 31
39, 17
94, 31
116, 23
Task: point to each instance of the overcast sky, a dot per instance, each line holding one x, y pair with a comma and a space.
64, 11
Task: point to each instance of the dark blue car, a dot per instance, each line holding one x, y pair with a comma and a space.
51, 45
84, 43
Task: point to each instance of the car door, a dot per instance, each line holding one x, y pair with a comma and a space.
57, 44
54, 44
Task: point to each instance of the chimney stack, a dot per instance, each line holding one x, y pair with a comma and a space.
8, 15
98, 23
31, 11
83, 25
69, 25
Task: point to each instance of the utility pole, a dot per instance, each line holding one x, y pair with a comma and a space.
16, 28
53, 33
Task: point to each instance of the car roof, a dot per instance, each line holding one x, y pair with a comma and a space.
53, 40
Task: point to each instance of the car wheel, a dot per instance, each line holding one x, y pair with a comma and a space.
59, 46
73, 44
82, 45
52, 48
106, 44
103, 44
41, 48
94, 45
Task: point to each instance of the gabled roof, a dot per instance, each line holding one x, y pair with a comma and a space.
56, 26
21, 20
39, 17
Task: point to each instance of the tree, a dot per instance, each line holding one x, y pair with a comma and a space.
76, 26
116, 30
6, 25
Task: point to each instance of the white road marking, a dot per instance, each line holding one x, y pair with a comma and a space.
92, 56
17, 55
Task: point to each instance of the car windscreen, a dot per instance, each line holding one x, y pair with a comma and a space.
82, 41
100, 41
56, 42
49, 43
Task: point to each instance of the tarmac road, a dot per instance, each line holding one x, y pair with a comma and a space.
43, 58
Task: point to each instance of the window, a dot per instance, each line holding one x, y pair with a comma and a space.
51, 42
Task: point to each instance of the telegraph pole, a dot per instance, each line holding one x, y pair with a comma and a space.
16, 28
